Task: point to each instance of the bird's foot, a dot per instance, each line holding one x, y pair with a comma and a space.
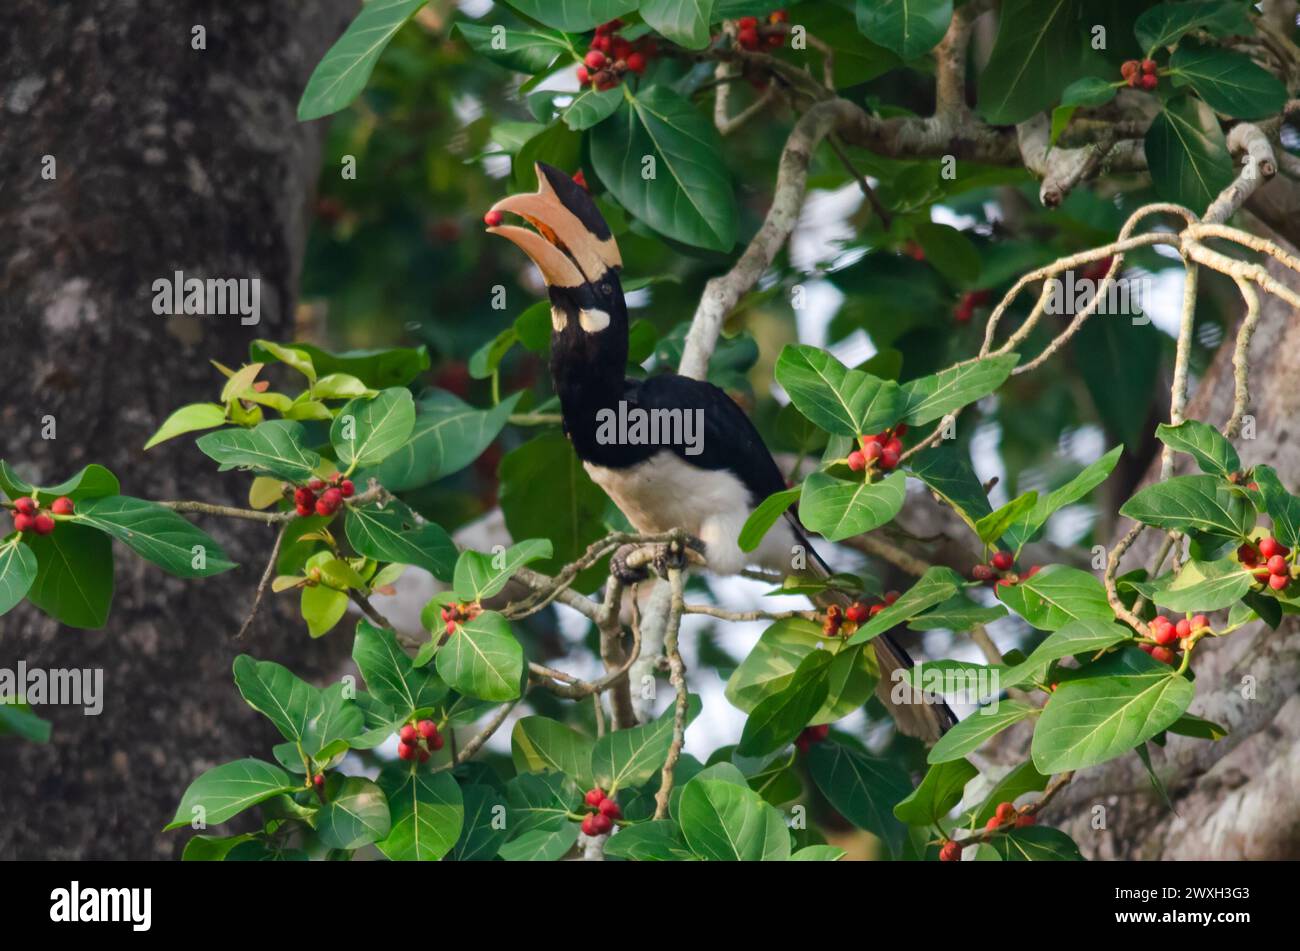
676, 553
628, 566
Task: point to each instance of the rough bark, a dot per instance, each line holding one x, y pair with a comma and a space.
168, 158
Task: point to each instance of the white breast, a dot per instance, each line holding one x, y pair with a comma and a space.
665, 492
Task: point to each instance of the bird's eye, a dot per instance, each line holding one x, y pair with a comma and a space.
606, 289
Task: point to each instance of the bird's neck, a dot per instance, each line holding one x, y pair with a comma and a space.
588, 372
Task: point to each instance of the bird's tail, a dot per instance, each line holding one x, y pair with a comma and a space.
916, 715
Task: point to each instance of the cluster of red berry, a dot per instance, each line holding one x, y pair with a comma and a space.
409, 739
1269, 562
811, 735
454, 614
607, 811
967, 303
1006, 816
882, 449
840, 622
751, 35
28, 516
1166, 633
611, 57
998, 570
318, 497
1140, 75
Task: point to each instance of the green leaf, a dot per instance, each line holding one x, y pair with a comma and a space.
1200, 503
958, 613
483, 659
278, 694
1055, 596
779, 718
686, 194
1206, 586
1212, 452
937, 584
930, 397
484, 829
977, 729
723, 822
156, 534
427, 813
1088, 91
1037, 51
685, 22
337, 721
188, 419
91, 482
74, 575
1035, 844
354, 814
573, 16
1229, 82
1187, 153
628, 758
1166, 24
939, 791
486, 360
657, 840
839, 508
948, 473
590, 107
276, 447
541, 845
449, 434
1198, 727
950, 252
389, 674
17, 572
322, 608
341, 75
910, 28
377, 369
1087, 636
763, 517
769, 669
818, 853
17, 719
1282, 507
1092, 476
368, 431
994, 525
841, 401
863, 789
479, 576
212, 848
1127, 698
391, 532
225, 791
538, 744
541, 802
526, 51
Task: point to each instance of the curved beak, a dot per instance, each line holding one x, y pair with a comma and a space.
567, 250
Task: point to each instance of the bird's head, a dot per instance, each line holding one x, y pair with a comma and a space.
579, 260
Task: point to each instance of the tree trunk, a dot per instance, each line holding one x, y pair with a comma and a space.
166, 158
1233, 798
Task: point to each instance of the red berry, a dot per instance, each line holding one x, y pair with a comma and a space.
1163, 654
747, 23
405, 751
62, 506
856, 612
1129, 69
422, 755
963, 311
875, 609
811, 735
1247, 555
319, 780
1164, 633
324, 508
428, 729
1277, 565
636, 63
407, 733
595, 796
1146, 647
612, 26
981, 572
1183, 627
609, 809
857, 462
778, 16
589, 824
435, 742
1005, 811
1268, 548
620, 48
44, 525
888, 459
605, 79
748, 38
1149, 81
1200, 622
315, 485
583, 76
894, 445
774, 40
333, 496
871, 450
1263, 574
1276, 582
347, 488
950, 851
601, 822
451, 627
900, 430
1003, 560
1149, 66
601, 43
493, 218
23, 522
595, 59
305, 509
1033, 570
891, 597
26, 505
1023, 821
993, 823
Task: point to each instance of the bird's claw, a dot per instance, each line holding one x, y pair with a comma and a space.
626, 573
675, 554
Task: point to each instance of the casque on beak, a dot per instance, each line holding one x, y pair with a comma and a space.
572, 244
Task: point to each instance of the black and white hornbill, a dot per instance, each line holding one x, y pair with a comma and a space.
708, 489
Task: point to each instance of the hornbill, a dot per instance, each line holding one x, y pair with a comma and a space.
707, 489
